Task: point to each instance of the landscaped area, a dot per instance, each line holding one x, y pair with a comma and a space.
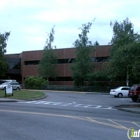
23, 94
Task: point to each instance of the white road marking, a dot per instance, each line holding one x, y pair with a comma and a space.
78, 105
39, 102
72, 104
68, 104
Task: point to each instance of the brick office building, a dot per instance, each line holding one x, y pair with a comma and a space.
26, 63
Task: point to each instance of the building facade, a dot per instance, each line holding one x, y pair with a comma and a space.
26, 63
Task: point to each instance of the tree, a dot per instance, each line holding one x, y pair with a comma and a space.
124, 44
47, 64
96, 43
35, 82
3, 44
82, 65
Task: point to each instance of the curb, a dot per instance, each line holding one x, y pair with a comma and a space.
129, 108
37, 98
59, 91
81, 92
7, 100
128, 105
16, 100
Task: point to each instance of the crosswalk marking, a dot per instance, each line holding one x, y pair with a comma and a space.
67, 104
40, 102
72, 104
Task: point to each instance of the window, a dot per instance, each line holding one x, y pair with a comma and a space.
125, 88
99, 59
14, 63
63, 61
61, 79
34, 62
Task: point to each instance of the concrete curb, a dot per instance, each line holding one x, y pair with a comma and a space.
8, 100
37, 98
56, 91
129, 108
81, 92
18, 100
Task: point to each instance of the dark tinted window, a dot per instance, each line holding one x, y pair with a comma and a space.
14, 63
125, 88
34, 62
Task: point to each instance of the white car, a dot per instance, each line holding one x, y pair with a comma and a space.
120, 91
15, 85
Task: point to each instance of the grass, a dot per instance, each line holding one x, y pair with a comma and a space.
23, 94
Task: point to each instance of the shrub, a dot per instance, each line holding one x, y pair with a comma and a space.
35, 82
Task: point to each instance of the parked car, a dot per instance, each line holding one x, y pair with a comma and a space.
15, 85
134, 93
122, 91
5, 80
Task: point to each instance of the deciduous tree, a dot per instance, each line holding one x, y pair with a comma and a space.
49, 59
82, 65
123, 53
3, 44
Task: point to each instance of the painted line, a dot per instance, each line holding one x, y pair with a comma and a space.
99, 106
117, 124
88, 119
78, 105
93, 106
46, 102
73, 104
106, 124
136, 124
39, 102
68, 104
87, 106
29, 102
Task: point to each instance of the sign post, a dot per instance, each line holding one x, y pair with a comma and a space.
8, 90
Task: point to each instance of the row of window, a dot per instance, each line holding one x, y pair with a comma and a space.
64, 61
14, 63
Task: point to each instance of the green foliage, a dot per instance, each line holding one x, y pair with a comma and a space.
125, 51
3, 44
3, 65
48, 62
34, 82
82, 65
96, 43
97, 77
3, 39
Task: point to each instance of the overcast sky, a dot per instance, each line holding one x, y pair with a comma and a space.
30, 20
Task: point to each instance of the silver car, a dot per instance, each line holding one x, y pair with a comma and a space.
120, 91
15, 85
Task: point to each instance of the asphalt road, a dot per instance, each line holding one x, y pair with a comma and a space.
67, 116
